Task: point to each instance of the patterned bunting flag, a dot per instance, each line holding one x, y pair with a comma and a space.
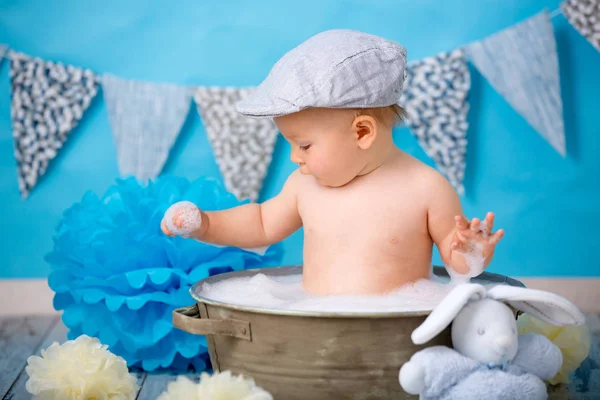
242, 146
48, 100
146, 119
521, 63
584, 15
435, 98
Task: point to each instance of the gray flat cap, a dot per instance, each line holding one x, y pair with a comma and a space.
333, 69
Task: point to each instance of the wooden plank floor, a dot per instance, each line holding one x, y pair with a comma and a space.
24, 336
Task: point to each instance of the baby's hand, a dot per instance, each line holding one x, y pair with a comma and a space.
182, 218
476, 233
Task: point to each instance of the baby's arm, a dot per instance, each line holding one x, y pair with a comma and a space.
250, 225
452, 233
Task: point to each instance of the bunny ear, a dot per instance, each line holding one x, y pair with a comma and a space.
543, 305
445, 312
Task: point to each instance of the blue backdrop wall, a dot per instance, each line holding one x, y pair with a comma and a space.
547, 205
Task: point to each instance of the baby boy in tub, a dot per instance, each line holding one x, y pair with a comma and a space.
370, 212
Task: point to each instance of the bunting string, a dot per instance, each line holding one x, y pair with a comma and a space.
520, 62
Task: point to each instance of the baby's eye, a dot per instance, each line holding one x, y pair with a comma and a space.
305, 147
481, 331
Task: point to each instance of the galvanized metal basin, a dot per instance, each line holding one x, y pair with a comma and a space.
301, 355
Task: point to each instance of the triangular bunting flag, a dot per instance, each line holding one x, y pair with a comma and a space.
435, 98
521, 63
243, 146
48, 100
146, 119
584, 15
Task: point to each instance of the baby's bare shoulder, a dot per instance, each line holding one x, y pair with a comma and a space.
422, 179
300, 181
297, 183
421, 183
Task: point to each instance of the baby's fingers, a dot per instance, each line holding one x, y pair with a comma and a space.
488, 223
459, 243
461, 222
495, 238
163, 227
475, 225
178, 220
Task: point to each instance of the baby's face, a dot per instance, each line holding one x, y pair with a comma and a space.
324, 144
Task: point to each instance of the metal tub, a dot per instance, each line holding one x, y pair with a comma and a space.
299, 355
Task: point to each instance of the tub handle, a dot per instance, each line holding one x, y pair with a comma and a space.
188, 319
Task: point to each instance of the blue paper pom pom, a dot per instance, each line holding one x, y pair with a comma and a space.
118, 277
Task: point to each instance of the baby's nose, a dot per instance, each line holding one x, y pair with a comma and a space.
295, 157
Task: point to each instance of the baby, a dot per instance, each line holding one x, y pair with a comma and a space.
370, 212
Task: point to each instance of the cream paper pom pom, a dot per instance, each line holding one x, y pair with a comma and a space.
79, 369
219, 386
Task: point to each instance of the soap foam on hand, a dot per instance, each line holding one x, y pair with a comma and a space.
474, 259
189, 216
287, 293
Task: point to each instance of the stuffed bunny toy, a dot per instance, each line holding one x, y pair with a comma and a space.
488, 360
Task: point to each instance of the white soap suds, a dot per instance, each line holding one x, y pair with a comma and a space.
189, 216
474, 259
287, 293
483, 229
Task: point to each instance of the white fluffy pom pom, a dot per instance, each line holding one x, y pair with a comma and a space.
220, 386
79, 369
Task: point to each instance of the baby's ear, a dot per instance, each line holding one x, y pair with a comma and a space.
365, 130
